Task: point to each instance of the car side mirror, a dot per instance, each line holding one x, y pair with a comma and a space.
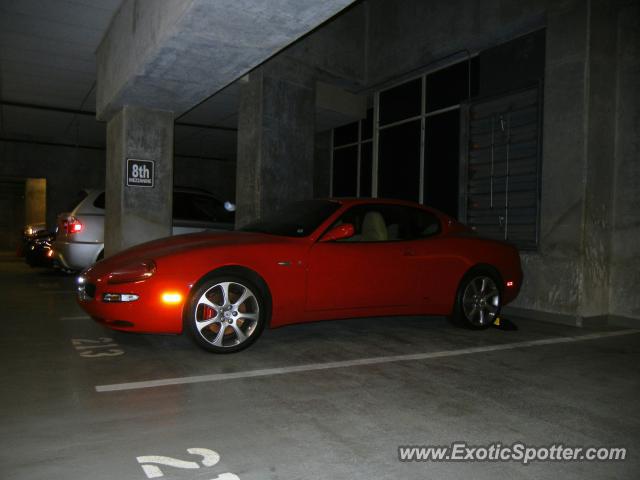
346, 230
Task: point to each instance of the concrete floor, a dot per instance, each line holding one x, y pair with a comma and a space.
323, 424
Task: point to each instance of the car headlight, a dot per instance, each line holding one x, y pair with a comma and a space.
134, 272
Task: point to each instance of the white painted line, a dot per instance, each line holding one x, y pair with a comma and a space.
218, 377
77, 317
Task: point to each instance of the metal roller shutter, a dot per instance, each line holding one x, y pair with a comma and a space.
502, 166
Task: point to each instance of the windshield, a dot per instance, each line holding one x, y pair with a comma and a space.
297, 219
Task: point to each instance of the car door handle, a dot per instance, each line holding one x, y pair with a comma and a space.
409, 253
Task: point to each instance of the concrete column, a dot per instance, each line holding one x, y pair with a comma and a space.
276, 124
624, 275
572, 279
35, 200
600, 134
136, 214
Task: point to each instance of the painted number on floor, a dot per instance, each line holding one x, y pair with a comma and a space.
151, 463
99, 347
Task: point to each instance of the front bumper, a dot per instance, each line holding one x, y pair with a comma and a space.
146, 314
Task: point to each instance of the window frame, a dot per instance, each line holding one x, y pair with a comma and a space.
358, 143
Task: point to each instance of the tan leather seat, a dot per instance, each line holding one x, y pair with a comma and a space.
373, 228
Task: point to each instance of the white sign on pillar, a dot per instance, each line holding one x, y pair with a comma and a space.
140, 173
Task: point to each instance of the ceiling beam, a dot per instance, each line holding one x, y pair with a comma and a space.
71, 111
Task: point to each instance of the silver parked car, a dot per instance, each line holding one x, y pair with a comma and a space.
79, 240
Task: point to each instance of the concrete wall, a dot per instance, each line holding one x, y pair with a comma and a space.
408, 35
625, 246
338, 50
66, 169
215, 176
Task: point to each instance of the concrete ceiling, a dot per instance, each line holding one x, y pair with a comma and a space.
47, 59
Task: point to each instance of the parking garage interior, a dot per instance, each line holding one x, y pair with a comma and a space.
516, 118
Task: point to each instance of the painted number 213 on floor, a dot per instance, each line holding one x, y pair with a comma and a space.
151, 463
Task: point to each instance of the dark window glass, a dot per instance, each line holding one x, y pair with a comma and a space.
422, 224
99, 202
345, 135
298, 219
367, 125
401, 102
182, 206
200, 208
447, 87
345, 171
441, 181
366, 168
399, 161
388, 223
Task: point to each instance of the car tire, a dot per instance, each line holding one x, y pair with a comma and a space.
478, 300
226, 313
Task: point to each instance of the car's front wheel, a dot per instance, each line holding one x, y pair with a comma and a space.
478, 300
226, 314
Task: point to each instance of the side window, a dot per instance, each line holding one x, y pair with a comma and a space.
389, 223
200, 208
182, 206
422, 224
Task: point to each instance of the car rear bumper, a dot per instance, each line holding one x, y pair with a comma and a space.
76, 255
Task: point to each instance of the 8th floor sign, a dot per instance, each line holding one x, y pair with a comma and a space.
140, 173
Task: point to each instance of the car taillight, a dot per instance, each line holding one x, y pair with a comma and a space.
73, 225
133, 273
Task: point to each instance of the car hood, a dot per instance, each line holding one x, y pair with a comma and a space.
182, 243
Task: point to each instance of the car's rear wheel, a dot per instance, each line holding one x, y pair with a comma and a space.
478, 300
226, 314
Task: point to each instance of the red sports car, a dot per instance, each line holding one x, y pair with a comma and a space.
314, 260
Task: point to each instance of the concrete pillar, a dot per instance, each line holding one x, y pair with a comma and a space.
600, 134
138, 212
35, 200
276, 124
624, 275
569, 279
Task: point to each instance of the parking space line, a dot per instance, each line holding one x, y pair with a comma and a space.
217, 377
